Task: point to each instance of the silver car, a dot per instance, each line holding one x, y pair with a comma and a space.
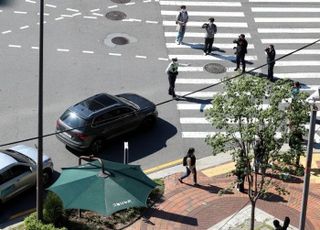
18, 166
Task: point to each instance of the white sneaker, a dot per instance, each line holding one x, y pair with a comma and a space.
177, 42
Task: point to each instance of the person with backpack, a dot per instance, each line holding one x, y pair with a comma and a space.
190, 162
181, 21
211, 30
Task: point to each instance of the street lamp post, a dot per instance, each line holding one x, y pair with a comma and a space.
40, 118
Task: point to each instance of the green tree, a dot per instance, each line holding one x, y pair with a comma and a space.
254, 127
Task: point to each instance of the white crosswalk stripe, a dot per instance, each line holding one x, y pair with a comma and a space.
287, 27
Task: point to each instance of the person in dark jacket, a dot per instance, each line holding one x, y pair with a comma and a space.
241, 51
190, 163
271, 55
211, 30
181, 21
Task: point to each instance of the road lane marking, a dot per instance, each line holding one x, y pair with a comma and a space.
198, 3
197, 81
279, 1
24, 27
66, 15
193, 120
215, 45
284, 9
163, 166
97, 14
131, 20
130, 3
115, 54
63, 50
194, 106
202, 35
199, 24
59, 18
114, 6
204, 13
298, 63
209, 57
87, 52
34, 47
6, 32
76, 14
289, 40
307, 51
153, 22
139, 56
52, 6
197, 94
72, 10
19, 12
30, 1
292, 19
94, 10
90, 17
163, 59
289, 30
297, 75
14, 46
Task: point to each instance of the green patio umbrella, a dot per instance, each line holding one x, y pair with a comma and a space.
116, 187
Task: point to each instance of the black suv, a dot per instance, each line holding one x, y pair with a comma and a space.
103, 116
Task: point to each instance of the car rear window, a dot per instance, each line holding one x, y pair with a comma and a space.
72, 119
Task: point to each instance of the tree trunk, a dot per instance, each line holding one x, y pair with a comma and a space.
298, 160
253, 207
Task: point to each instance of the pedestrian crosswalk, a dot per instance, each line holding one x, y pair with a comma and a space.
288, 24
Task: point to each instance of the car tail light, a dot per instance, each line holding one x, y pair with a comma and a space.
81, 136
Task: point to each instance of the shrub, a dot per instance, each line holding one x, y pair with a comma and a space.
52, 209
32, 223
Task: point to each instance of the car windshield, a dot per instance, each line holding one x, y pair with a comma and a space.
18, 156
128, 102
72, 119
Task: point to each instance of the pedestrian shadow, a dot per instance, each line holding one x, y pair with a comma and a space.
230, 58
160, 214
211, 188
199, 46
202, 102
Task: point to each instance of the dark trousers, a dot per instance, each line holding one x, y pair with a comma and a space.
240, 58
172, 80
208, 45
270, 71
188, 171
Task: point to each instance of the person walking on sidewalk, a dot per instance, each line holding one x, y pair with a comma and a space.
241, 51
181, 21
271, 55
211, 30
172, 71
190, 162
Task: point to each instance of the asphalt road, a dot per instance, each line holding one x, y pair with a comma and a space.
80, 60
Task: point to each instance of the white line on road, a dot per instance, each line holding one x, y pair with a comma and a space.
197, 81
45, 14
14, 46
90, 17
30, 1
193, 106
197, 94
52, 6
115, 54
279, 1
34, 47
298, 63
198, 3
130, 3
191, 69
139, 56
73, 10
199, 24
163, 59
97, 14
24, 27
6, 32
194, 120
289, 30
44, 22
292, 19
87, 52
146, 1
202, 35
114, 6
201, 57
20, 12
289, 40
307, 51
295, 75
76, 14
217, 45
131, 20
66, 15
152, 22
204, 13
94, 10
284, 9
63, 50
59, 18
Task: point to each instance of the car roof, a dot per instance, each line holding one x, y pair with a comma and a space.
6, 160
94, 104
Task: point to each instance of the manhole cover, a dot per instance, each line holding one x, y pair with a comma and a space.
116, 15
214, 68
119, 40
120, 1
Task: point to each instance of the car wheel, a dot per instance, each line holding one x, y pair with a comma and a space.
46, 177
96, 146
148, 122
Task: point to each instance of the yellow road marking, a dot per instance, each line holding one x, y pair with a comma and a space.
218, 170
22, 213
162, 166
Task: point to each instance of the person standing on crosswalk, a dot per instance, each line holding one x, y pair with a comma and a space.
211, 30
181, 21
241, 51
271, 55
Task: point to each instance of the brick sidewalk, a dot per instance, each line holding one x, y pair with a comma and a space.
187, 207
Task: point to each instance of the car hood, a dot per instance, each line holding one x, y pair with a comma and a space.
142, 102
29, 152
